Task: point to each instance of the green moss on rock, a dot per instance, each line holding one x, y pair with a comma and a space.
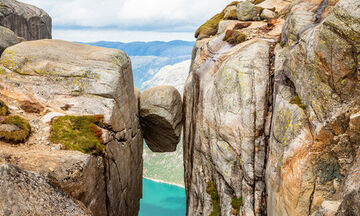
4, 110
79, 133
234, 37
236, 203
212, 191
296, 100
258, 2
231, 15
21, 133
210, 27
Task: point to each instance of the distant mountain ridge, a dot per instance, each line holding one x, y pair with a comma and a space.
154, 48
147, 58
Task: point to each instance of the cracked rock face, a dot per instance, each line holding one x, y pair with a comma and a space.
226, 105
25, 20
276, 125
161, 118
73, 79
312, 147
26, 193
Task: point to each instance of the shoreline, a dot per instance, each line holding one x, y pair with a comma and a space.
164, 182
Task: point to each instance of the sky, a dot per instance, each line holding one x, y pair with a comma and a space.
128, 20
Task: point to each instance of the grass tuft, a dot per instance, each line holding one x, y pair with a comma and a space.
79, 133
234, 37
18, 135
296, 100
212, 191
236, 203
4, 110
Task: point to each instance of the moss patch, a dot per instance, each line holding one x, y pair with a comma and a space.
232, 15
80, 133
15, 136
296, 100
236, 203
210, 27
258, 2
4, 110
212, 191
234, 37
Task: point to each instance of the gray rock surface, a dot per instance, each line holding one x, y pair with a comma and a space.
224, 141
87, 80
294, 106
86, 181
246, 11
161, 118
267, 14
25, 20
26, 193
7, 38
316, 100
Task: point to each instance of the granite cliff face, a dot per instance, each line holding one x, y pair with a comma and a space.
272, 110
25, 20
65, 89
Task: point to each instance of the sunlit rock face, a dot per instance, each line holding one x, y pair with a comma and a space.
27, 21
313, 147
271, 119
161, 118
75, 80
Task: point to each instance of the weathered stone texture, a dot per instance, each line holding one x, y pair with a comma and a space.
25, 20
161, 118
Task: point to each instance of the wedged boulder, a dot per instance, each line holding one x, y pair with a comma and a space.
161, 118
26, 193
92, 88
7, 38
25, 20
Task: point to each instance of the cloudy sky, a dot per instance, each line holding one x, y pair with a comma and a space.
128, 20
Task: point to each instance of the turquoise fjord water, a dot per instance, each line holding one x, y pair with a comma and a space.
161, 199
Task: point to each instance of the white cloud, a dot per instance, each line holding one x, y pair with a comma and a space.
140, 15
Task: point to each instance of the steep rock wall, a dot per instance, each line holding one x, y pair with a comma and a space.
73, 79
281, 112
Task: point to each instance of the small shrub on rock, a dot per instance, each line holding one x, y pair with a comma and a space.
79, 133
